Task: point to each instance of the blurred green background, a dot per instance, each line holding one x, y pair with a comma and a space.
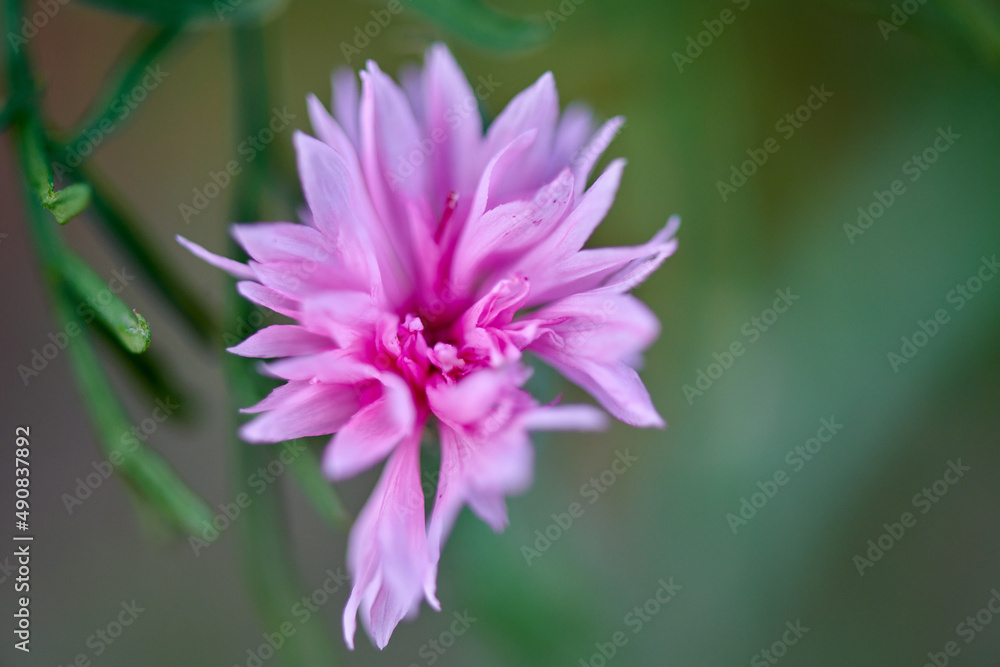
666, 515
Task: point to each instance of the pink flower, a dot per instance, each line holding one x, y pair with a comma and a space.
432, 257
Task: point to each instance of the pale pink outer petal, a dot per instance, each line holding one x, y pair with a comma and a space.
386, 253
614, 270
372, 432
281, 340
232, 267
584, 162
565, 418
345, 102
327, 186
387, 556
535, 108
503, 235
576, 125
315, 410
589, 339
452, 115
283, 241
268, 298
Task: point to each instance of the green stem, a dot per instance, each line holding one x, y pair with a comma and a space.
270, 570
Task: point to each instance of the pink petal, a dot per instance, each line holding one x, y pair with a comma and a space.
605, 269
373, 432
331, 367
503, 235
277, 241
575, 126
267, 297
345, 102
316, 410
387, 550
468, 400
587, 158
566, 418
233, 268
535, 108
327, 184
452, 113
589, 339
281, 340
386, 254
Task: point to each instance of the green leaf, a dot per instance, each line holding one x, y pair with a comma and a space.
177, 12
69, 202
485, 26
128, 326
318, 489
152, 478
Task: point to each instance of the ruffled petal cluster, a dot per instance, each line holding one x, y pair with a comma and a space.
431, 258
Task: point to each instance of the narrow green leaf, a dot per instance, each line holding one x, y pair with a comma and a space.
152, 478
318, 489
128, 326
485, 26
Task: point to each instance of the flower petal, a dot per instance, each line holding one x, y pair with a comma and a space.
318, 409
372, 432
232, 267
281, 340
590, 338
387, 551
